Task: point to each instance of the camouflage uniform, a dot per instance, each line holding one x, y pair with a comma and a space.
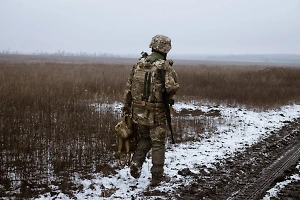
143, 99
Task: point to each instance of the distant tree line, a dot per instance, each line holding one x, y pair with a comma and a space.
60, 53
263, 58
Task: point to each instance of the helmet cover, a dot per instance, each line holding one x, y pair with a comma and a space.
161, 43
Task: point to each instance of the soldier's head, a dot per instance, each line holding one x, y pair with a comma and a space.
161, 43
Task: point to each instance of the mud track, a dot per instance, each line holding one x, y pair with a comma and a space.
249, 174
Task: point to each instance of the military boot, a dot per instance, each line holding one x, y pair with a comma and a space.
158, 160
155, 181
135, 170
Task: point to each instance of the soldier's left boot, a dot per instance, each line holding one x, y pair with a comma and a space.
135, 169
139, 157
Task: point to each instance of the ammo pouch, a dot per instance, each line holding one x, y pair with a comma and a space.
124, 127
145, 113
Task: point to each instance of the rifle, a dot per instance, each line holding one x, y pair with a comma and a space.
166, 101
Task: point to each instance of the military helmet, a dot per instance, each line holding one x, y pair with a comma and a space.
161, 43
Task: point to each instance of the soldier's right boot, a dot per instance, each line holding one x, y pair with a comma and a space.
158, 160
155, 181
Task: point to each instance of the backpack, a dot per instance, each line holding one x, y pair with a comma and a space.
146, 91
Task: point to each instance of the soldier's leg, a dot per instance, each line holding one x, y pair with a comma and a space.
140, 153
158, 135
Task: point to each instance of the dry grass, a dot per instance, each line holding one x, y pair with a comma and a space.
253, 86
47, 121
48, 128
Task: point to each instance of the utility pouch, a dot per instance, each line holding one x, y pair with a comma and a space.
126, 140
128, 145
124, 127
143, 115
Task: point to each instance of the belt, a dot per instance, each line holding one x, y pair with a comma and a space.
148, 105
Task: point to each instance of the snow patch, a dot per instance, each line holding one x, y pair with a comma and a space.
237, 128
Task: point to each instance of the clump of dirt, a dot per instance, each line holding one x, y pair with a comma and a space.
106, 169
198, 112
213, 113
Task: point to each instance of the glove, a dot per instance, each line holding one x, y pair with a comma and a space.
126, 110
171, 102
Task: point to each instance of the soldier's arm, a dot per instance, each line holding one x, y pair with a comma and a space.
171, 80
127, 94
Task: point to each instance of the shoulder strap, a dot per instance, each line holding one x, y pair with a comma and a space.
151, 59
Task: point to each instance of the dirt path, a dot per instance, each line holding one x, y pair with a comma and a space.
240, 176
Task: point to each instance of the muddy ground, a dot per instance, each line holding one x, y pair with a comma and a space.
232, 175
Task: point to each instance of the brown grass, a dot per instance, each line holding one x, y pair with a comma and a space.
253, 86
47, 121
48, 128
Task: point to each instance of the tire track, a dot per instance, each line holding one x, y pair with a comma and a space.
259, 187
250, 173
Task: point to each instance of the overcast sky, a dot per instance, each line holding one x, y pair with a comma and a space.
127, 26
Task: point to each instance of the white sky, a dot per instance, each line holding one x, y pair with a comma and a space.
126, 27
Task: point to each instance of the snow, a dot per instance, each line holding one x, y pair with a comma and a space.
236, 129
274, 191
115, 107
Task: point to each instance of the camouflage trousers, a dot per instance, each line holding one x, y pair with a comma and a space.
151, 137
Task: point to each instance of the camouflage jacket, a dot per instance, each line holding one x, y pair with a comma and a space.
143, 92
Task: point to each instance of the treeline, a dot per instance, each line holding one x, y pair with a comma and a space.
61, 53
258, 58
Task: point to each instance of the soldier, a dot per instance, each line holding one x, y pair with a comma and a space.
144, 101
